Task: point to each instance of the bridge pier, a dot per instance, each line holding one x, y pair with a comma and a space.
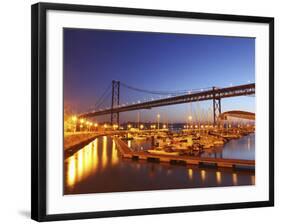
115, 100
216, 106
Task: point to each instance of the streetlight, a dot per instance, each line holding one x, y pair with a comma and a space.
164, 126
129, 126
158, 120
74, 120
141, 126
82, 120
115, 126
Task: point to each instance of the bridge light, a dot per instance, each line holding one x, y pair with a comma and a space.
74, 118
164, 126
105, 125
115, 126
96, 124
90, 123
141, 126
189, 117
129, 126
82, 120
153, 126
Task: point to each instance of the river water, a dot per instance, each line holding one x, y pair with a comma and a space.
98, 168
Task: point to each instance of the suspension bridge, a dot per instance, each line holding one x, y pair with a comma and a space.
176, 97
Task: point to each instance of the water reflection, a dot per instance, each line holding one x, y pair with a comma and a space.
98, 167
95, 154
71, 174
114, 156
203, 175
104, 151
234, 179
80, 164
249, 144
253, 180
190, 173
218, 177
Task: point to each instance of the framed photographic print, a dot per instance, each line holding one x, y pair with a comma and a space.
138, 111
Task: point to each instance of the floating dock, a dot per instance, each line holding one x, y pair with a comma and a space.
126, 152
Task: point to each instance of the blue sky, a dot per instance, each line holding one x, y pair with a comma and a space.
154, 61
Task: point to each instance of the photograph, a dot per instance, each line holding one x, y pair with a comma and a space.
147, 111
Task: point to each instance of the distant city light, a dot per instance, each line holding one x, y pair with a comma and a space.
74, 118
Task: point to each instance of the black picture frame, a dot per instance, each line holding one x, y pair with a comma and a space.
39, 116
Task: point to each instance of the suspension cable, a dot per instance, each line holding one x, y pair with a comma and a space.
177, 92
100, 100
103, 101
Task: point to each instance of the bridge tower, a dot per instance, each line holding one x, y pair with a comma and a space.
216, 106
115, 100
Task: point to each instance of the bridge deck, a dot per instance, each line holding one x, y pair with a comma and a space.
219, 162
226, 92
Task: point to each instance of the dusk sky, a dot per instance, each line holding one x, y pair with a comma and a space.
154, 61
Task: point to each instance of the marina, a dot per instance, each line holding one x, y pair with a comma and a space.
129, 155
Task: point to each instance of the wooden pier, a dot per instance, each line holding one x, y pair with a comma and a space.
126, 152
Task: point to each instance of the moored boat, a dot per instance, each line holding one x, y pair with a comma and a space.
163, 152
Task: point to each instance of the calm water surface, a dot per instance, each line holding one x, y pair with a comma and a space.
98, 167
